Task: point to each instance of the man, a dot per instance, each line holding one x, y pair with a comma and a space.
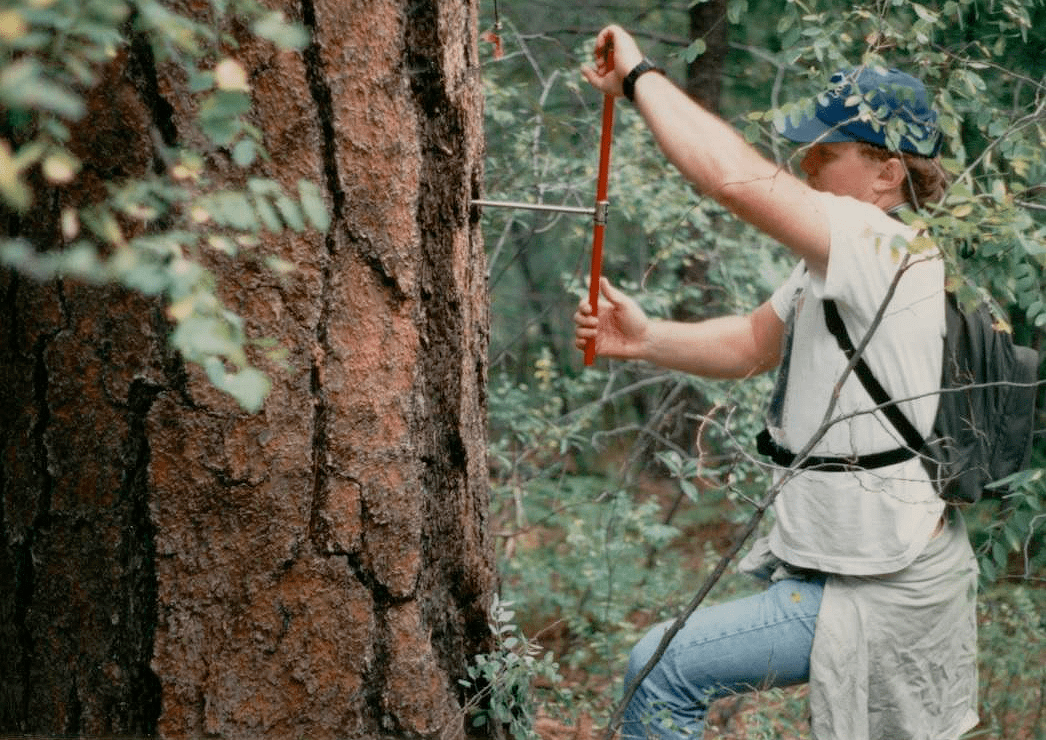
872, 594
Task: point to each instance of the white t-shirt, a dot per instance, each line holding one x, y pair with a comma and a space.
870, 521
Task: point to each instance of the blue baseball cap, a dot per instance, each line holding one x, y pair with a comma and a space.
861, 101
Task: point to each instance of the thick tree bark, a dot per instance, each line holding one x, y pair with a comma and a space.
171, 564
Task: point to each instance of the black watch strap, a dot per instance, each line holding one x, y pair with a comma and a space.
628, 85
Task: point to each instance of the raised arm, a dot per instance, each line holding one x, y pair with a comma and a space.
713, 155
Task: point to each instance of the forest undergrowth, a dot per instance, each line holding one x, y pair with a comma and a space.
588, 638
598, 542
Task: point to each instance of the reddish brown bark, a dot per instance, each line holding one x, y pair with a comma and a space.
173, 564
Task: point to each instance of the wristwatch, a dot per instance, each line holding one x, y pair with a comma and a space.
628, 85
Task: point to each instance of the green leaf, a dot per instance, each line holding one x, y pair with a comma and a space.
279, 265
290, 212
1013, 537
313, 204
999, 191
735, 10
12, 189
1034, 247
999, 553
269, 218
227, 103
200, 80
199, 337
245, 152
179, 33
989, 571
220, 115
275, 27
24, 85
697, 48
924, 13
248, 386
263, 186
233, 209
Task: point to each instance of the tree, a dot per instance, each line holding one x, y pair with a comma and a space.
171, 561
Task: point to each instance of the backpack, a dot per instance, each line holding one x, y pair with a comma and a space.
985, 416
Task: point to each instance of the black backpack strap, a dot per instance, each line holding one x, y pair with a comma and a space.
784, 457
907, 430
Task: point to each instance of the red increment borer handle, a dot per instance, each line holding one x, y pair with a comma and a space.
600, 217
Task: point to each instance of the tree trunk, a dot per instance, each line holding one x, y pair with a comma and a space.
173, 565
704, 76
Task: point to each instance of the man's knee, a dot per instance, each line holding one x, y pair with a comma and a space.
642, 652
637, 659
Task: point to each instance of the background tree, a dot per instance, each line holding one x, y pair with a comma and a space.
241, 208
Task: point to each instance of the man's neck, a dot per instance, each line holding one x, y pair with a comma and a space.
891, 203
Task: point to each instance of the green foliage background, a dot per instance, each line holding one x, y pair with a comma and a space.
617, 487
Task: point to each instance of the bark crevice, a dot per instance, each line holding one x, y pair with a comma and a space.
322, 98
137, 555
25, 572
320, 473
142, 66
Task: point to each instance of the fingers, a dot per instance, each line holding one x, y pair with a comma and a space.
615, 54
612, 295
609, 292
620, 328
608, 84
586, 327
586, 324
618, 49
604, 52
604, 69
584, 318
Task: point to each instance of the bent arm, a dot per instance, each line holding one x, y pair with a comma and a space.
723, 347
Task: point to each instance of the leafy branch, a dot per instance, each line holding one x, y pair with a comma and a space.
152, 231
500, 681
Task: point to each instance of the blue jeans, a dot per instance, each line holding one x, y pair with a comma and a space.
756, 642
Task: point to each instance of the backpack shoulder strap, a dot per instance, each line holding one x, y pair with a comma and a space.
907, 430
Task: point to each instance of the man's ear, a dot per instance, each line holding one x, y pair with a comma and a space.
892, 174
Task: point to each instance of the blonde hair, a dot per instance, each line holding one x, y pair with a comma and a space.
926, 180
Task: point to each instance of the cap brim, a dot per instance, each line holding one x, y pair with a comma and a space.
811, 130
